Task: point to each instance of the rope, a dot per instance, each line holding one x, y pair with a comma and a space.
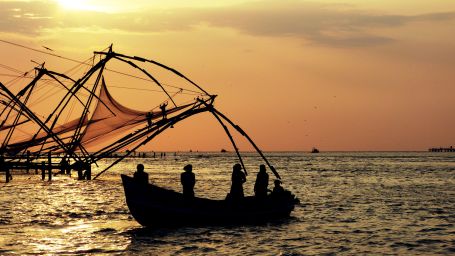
11, 68
151, 90
40, 51
83, 63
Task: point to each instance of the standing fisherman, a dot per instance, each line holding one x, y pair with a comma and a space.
237, 180
188, 181
4, 167
163, 109
262, 182
149, 116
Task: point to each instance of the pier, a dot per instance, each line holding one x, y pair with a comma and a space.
441, 149
45, 165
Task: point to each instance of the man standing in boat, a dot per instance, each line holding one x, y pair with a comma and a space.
188, 181
262, 182
163, 109
237, 180
149, 117
140, 176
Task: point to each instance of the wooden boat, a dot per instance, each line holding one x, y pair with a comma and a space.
153, 206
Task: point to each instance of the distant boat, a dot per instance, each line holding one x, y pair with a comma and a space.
441, 149
223, 150
315, 150
153, 206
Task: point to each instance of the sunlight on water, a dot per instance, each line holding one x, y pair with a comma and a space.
352, 203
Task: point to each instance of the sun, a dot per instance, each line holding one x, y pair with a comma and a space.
79, 5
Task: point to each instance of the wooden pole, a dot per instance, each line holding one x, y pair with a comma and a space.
43, 170
149, 75
232, 140
28, 162
160, 65
2, 163
49, 167
88, 172
8, 175
250, 140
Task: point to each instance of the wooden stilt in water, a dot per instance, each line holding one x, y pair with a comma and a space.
49, 169
3, 167
8, 174
43, 170
28, 162
79, 168
88, 172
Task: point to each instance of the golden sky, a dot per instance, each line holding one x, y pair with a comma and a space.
334, 74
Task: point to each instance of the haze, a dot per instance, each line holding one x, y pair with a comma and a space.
337, 75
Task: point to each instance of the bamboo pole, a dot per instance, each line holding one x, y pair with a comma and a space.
160, 65
149, 75
231, 138
172, 121
249, 139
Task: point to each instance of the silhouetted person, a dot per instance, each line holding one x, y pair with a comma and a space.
9, 177
188, 180
237, 180
5, 168
262, 182
79, 167
63, 166
278, 190
140, 176
163, 109
149, 116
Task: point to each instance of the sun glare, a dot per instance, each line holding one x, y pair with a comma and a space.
81, 5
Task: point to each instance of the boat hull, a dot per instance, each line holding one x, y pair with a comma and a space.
153, 206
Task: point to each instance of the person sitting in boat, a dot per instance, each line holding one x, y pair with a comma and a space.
188, 180
140, 176
237, 180
281, 194
278, 190
261, 184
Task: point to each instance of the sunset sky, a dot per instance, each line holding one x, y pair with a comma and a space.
333, 74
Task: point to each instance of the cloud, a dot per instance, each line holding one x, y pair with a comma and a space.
26, 17
321, 24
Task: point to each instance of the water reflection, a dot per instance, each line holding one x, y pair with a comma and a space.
352, 203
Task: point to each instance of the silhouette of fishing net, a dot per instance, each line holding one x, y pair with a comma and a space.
109, 123
111, 120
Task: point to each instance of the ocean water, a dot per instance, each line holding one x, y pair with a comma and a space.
381, 203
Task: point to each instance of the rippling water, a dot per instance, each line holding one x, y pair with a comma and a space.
352, 203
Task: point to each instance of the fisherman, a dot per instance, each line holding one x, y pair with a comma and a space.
63, 165
68, 168
237, 180
9, 177
140, 176
163, 109
278, 190
79, 166
261, 184
149, 116
188, 180
5, 168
